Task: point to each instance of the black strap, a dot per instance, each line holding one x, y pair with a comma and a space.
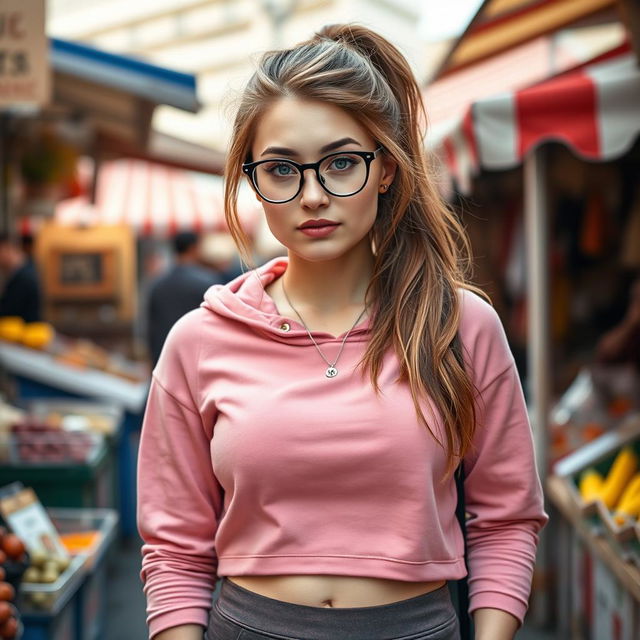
462, 585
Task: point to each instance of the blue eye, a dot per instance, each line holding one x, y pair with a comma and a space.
281, 170
342, 163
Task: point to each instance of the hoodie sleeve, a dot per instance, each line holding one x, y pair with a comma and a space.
179, 498
503, 494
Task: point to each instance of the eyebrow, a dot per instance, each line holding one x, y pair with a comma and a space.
286, 151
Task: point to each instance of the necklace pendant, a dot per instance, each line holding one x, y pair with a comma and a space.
331, 372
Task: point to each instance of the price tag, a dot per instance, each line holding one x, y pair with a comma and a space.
28, 519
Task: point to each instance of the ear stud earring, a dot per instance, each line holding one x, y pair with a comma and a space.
383, 187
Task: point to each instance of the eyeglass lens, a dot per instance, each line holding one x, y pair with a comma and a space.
342, 175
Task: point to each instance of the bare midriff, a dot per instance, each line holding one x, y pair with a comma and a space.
334, 591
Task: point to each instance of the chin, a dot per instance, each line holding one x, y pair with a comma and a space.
317, 256
325, 251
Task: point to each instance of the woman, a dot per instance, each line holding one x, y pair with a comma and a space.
304, 424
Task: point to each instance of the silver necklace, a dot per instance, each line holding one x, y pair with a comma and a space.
331, 371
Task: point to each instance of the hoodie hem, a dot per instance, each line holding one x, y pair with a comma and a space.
343, 565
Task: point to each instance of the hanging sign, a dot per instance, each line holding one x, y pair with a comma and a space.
24, 53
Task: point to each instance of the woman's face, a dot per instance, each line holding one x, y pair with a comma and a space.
315, 225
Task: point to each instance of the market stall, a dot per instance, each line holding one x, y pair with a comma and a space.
514, 144
593, 111
67, 150
119, 389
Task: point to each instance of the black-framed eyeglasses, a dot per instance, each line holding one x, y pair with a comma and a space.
342, 174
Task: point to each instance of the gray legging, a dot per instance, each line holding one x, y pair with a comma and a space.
239, 614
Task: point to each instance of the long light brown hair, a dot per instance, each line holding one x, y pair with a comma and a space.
422, 254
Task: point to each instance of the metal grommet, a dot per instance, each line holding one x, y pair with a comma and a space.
285, 326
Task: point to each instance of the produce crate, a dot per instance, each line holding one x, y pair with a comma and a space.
91, 603
91, 416
125, 446
48, 611
62, 484
53, 447
600, 454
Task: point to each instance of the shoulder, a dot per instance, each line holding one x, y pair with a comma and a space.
181, 348
159, 281
25, 274
483, 338
477, 315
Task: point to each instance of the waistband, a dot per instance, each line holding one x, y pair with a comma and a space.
286, 620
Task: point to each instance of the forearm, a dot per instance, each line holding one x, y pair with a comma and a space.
494, 624
614, 344
182, 632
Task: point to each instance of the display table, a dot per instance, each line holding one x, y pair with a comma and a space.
598, 591
89, 383
75, 607
625, 572
40, 375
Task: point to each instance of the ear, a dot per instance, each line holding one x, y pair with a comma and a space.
389, 167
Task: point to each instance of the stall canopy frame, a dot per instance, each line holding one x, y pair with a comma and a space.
130, 75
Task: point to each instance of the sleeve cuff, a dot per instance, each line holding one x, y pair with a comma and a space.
502, 601
164, 621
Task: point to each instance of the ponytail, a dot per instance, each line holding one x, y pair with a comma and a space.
390, 63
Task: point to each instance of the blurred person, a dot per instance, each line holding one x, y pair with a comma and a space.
21, 295
305, 423
26, 242
177, 291
621, 344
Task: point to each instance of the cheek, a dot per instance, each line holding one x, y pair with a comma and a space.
365, 204
276, 217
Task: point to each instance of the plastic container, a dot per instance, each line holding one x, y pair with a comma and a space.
73, 607
91, 416
38, 597
95, 417
102, 521
48, 611
91, 603
54, 447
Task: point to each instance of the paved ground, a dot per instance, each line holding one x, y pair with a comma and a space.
126, 605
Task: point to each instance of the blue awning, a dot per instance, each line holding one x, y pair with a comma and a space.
134, 76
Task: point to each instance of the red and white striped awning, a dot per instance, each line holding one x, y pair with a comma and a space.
154, 199
594, 110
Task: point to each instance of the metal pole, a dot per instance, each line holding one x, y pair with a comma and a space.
539, 352
5, 218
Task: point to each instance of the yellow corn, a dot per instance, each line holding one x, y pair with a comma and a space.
622, 469
590, 485
629, 493
631, 510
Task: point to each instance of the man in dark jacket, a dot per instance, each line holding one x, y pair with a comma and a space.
177, 292
21, 294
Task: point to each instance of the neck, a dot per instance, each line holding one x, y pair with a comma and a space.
329, 286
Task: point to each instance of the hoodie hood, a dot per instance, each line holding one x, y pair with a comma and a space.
245, 300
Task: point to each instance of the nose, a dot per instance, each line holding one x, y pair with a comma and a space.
312, 194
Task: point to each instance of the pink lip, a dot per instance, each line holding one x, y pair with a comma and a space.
320, 222
318, 228
319, 232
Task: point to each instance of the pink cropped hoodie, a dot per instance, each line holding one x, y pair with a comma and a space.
253, 462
